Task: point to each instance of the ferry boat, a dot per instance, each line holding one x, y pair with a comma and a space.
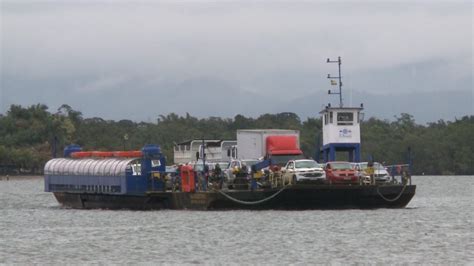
138, 179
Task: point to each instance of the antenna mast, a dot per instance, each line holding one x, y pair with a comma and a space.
339, 61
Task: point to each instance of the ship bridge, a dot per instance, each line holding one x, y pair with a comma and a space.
341, 132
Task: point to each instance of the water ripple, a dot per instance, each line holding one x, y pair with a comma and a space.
435, 228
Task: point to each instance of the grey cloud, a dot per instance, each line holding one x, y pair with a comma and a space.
237, 48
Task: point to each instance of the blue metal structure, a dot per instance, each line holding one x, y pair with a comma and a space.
70, 149
353, 150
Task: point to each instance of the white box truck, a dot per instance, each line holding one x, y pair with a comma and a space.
280, 145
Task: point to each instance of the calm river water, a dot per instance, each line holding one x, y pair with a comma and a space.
435, 228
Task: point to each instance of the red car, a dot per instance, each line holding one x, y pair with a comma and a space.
340, 173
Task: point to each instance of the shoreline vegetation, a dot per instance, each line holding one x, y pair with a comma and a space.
28, 135
19, 177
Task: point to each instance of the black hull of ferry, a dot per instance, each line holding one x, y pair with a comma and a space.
296, 197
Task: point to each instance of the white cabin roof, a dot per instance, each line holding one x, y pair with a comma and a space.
332, 109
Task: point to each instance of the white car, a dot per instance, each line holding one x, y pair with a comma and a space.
296, 171
380, 173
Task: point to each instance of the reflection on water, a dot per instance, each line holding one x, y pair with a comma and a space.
435, 228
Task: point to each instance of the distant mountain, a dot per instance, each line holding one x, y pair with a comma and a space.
144, 100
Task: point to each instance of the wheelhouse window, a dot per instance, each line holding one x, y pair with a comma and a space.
345, 118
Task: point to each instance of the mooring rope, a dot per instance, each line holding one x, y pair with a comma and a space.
394, 199
252, 202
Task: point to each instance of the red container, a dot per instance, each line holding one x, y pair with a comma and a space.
188, 183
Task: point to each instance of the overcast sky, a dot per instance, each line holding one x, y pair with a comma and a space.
137, 59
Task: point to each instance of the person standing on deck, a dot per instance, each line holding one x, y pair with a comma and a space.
218, 175
370, 171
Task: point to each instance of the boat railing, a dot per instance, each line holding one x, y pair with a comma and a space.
399, 171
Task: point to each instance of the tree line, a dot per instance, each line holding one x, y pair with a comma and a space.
28, 134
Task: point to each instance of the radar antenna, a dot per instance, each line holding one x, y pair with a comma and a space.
333, 82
